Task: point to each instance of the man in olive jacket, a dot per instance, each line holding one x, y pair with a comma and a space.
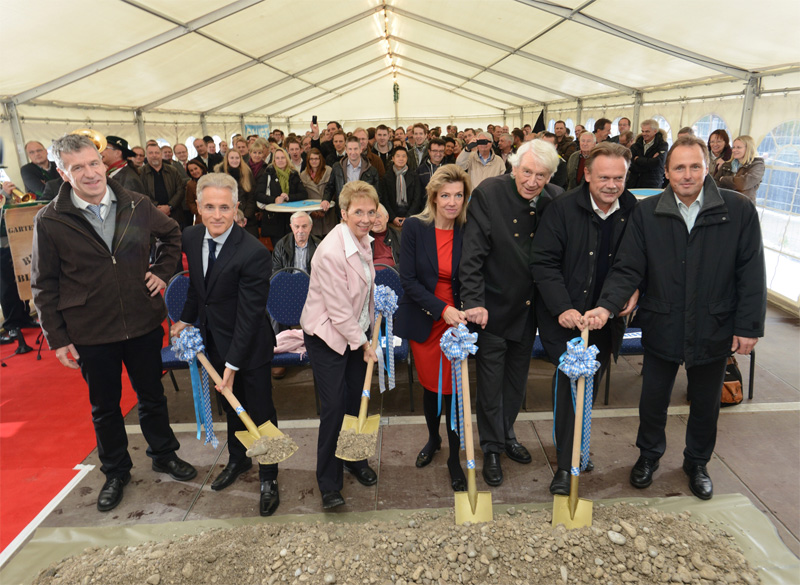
573, 250
497, 294
699, 253
98, 299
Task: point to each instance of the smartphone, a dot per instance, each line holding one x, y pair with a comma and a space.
314, 119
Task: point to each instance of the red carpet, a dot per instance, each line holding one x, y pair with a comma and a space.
45, 430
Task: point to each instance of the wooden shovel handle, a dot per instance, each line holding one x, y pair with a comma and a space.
364, 409
227, 392
579, 400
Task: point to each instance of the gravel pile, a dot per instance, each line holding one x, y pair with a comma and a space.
626, 544
353, 446
268, 450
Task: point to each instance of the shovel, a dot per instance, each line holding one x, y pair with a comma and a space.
354, 428
255, 439
572, 511
471, 506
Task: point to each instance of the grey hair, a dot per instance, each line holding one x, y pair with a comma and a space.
383, 210
508, 137
298, 215
544, 152
70, 143
485, 135
651, 123
220, 181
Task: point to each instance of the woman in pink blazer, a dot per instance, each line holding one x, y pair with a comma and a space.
337, 319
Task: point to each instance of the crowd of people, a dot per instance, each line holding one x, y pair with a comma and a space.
506, 232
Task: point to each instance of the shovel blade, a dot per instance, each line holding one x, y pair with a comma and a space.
481, 512
563, 515
371, 424
268, 429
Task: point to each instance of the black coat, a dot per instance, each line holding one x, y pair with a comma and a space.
276, 225
387, 191
495, 260
283, 252
703, 287
369, 174
564, 261
648, 170
419, 272
233, 306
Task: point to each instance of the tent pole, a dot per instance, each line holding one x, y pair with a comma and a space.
203, 124
16, 129
241, 124
579, 112
637, 106
521, 121
750, 93
140, 125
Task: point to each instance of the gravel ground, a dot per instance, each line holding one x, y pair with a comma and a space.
626, 544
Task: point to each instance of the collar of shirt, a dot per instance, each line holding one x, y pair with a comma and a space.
220, 240
690, 212
604, 214
350, 244
299, 247
84, 205
355, 168
485, 161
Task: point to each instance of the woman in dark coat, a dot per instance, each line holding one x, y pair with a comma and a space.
430, 254
743, 173
400, 190
283, 184
195, 169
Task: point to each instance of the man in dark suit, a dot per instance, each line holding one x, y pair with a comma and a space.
229, 271
210, 159
497, 294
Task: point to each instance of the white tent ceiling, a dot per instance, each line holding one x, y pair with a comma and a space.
278, 58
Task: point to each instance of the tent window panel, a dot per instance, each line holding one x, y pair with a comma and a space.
190, 147
551, 125
707, 124
570, 123
589, 125
664, 125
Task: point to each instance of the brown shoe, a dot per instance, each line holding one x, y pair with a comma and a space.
278, 373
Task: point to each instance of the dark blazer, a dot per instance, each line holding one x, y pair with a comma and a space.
495, 265
419, 272
276, 225
233, 306
213, 160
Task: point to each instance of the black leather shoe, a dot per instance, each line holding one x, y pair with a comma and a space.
111, 493
699, 482
365, 475
230, 473
459, 485
178, 469
589, 466
560, 484
10, 336
426, 455
270, 498
492, 472
642, 472
332, 500
516, 452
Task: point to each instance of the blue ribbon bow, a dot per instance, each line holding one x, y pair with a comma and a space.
186, 348
386, 305
579, 361
456, 344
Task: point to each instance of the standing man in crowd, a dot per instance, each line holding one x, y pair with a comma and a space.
116, 157
648, 156
99, 301
602, 128
573, 250
432, 161
138, 158
698, 248
163, 184
497, 294
40, 170
576, 165
382, 146
230, 271
564, 142
624, 125
352, 167
182, 154
209, 159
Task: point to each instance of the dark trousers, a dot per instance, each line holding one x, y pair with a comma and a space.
14, 312
705, 389
502, 373
565, 414
339, 381
101, 366
253, 389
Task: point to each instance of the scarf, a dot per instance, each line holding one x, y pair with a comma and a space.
283, 178
255, 166
735, 165
117, 165
236, 173
402, 195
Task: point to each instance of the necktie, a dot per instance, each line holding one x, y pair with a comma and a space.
212, 257
96, 209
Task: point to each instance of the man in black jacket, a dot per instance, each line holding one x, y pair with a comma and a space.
497, 294
39, 171
648, 154
573, 251
698, 249
118, 167
230, 272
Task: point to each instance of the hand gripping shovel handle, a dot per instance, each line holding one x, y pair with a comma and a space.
577, 432
362, 411
228, 393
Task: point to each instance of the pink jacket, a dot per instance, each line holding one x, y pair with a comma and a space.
336, 292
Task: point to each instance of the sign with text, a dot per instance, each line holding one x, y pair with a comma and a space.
261, 130
19, 225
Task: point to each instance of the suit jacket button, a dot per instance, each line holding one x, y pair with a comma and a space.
528, 303
515, 221
516, 235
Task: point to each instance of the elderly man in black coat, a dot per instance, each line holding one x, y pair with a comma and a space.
573, 250
698, 249
497, 294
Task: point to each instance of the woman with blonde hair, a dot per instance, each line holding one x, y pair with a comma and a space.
743, 173
232, 165
430, 254
315, 177
337, 320
282, 184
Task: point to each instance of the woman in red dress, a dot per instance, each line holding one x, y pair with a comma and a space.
430, 254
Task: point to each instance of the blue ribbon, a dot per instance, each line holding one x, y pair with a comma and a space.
579, 361
386, 305
456, 344
186, 348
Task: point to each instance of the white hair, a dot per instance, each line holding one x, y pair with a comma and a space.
544, 152
220, 181
298, 215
